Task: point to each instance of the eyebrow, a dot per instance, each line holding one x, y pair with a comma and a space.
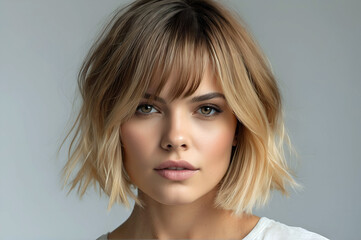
200, 98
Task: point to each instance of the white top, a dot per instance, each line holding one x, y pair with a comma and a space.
268, 229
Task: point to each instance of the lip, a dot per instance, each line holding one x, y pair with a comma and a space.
179, 164
176, 175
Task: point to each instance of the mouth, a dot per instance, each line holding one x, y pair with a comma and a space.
176, 170
176, 165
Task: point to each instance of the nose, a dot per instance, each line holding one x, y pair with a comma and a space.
175, 136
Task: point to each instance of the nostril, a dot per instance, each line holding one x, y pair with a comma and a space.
170, 146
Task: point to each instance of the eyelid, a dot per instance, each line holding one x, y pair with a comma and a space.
214, 107
217, 110
141, 104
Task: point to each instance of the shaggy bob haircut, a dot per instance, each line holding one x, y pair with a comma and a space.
146, 42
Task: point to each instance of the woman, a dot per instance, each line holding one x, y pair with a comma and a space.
180, 104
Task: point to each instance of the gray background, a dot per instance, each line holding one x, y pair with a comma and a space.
314, 48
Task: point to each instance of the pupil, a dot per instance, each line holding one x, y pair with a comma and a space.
146, 108
206, 110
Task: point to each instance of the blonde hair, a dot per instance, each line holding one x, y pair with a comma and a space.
144, 43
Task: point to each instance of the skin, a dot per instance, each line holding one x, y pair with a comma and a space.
199, 132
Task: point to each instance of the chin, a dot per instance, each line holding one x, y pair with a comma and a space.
181, 199
175, 200
175, 195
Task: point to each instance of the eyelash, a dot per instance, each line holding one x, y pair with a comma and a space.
143, 105
214, 110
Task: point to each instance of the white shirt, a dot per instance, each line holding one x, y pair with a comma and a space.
268, 229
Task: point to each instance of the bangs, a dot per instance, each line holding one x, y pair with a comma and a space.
181, 66
178, 55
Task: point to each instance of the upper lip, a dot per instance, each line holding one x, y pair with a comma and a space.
178, 164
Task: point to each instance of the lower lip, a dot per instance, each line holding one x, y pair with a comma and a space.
176, 175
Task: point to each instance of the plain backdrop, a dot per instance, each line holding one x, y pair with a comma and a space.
314, 49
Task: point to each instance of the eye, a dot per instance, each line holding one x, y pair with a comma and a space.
208, 111
146, 109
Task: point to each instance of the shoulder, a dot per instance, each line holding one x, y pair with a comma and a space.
267, 229
103, 237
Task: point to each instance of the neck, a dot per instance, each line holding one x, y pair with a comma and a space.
199, 219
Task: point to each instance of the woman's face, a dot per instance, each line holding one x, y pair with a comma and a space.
198, 130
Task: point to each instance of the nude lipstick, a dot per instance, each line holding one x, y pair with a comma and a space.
176, 170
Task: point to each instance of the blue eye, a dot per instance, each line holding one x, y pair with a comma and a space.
146, 109
208, 111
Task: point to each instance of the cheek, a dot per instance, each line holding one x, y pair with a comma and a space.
137, 140
218, 146
216, 139
215, 146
